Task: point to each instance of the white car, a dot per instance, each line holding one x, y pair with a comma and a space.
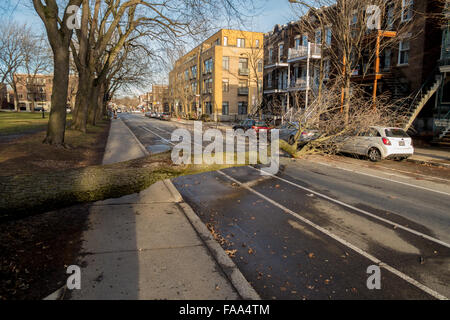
380, 143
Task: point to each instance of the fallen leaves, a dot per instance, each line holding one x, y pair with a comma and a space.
231, 253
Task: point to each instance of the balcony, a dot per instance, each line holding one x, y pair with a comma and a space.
278, 64
312, 51
301, 84
444, 64
243, 91
244, 71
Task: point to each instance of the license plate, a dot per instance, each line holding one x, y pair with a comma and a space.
401, 143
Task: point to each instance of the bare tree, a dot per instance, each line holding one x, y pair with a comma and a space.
357, 36
13, 39
59, 33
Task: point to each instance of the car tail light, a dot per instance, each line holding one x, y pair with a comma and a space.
386, 141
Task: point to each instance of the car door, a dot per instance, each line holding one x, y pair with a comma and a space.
362, 142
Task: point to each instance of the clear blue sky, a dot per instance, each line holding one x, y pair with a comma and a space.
272, 12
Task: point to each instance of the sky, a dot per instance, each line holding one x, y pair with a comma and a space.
270, 13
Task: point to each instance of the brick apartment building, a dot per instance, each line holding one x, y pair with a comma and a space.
222, 77
34, 91
156, 100
415, 65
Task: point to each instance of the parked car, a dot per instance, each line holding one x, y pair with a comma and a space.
245, 124
148, 114
379, 143
165, 116
289, 130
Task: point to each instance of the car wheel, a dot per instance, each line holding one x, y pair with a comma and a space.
374, 155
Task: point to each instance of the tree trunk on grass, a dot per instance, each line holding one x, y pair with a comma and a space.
57, 120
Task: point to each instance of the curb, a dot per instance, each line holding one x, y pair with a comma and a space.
436, 164
234, 275
57, 295
136, 139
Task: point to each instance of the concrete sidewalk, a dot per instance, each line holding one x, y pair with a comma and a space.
433, 156
151, 245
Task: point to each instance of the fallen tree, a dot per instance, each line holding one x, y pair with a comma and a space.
21, 197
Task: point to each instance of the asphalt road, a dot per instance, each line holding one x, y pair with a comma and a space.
311, 231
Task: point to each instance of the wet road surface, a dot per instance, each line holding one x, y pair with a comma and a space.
311, 231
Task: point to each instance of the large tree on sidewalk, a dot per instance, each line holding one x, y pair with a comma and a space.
59, 32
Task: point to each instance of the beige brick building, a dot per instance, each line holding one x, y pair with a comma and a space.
222, 77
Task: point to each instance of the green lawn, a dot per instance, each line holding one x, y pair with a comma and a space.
22, 122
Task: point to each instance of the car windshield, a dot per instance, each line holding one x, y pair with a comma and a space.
396, 133
260, 124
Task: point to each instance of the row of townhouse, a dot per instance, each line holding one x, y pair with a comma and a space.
415, 66
220, 78
34, 92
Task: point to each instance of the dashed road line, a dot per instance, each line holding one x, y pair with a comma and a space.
417, 233
365, 254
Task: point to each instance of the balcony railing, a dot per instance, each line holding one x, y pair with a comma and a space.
243, 71
301, 83
315, 51
243, 91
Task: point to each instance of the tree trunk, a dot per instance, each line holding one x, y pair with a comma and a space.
347, 99
80, 114
57, 120
93, 103
16, 99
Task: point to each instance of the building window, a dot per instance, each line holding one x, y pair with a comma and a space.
207, 85
225, 41
305, 40
226, 63
208, 66
297, 43
326, 69
208, 107
407, 10
242, 107
194, 72
270, 55
328, 34
243, 63
403, 53
225, 108
318, 36
241, 43
269, 79
217, 42
280, 52
260, 66
387, 59
186, 75
225, 85
390, 18
257, 43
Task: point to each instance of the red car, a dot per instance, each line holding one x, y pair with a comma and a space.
261, 125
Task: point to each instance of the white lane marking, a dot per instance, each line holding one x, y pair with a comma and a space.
148, 130
382, 178
342, 241
414, 173
418, 233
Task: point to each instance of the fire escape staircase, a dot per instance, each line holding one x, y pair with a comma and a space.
428, 89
